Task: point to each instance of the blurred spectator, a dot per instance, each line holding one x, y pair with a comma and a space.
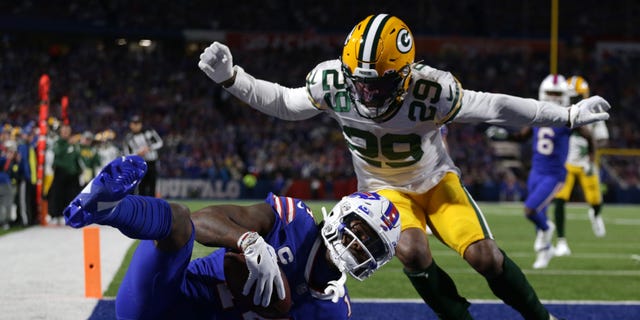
145, 143
204, 129
66, 173
89, 158
510, 188
106, 148
9, 159
26, 180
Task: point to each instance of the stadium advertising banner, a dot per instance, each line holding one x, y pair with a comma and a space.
432, 45
199, 189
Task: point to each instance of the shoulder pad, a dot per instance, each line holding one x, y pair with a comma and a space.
447, 97
324, 81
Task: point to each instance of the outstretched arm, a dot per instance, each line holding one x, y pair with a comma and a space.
270, 98
512, 111
223, 225
239, 227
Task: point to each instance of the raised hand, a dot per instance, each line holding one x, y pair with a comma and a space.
216, 62
587, 111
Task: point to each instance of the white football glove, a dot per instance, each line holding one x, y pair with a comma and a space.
496, 133
335, 288
589, 110
262, 263
216, 62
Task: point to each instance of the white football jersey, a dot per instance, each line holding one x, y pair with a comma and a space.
579, 147
406, 152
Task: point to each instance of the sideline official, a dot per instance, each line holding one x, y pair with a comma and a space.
144, 142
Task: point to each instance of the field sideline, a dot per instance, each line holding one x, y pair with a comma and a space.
600, 269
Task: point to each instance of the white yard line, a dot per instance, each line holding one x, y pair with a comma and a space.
42, 271
485, 301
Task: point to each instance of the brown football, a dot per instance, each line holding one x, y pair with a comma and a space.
236, 273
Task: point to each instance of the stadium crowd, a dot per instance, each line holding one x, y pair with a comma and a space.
486, 18
208, 134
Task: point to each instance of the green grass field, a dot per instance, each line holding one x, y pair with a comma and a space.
605, 269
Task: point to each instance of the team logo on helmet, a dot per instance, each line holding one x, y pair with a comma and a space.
390, 219
404, 41
361, 233
346, 41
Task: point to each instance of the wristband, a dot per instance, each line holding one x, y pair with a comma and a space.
229, 82
246, 239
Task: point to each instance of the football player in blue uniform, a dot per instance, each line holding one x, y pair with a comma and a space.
357, 237
582, 168
546, 177
390, 110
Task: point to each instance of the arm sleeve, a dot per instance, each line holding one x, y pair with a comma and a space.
272, 98
512, 111
154, 139
126, 148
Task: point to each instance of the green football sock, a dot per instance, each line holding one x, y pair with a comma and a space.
513, 288
596, 209
439, 292
559, 215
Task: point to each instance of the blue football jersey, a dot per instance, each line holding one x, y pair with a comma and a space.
169, 285
550, 148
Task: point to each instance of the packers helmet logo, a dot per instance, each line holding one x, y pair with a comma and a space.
404, 41
346, 41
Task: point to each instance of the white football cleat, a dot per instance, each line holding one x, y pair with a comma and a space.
543, 238
543, 258
562, 248
597, 224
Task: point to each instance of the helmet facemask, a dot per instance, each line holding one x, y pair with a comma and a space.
357, 234
377, 98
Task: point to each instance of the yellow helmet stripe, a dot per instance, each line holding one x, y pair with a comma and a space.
371, 35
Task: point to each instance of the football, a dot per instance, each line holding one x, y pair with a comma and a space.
236, 273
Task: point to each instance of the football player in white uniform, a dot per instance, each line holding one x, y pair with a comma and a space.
581, 168
390, 110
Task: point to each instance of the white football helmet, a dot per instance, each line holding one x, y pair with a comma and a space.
361, 233
554, 88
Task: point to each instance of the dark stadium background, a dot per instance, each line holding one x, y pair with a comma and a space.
92, 52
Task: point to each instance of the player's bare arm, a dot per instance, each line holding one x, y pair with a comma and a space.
240, 227
223, 225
